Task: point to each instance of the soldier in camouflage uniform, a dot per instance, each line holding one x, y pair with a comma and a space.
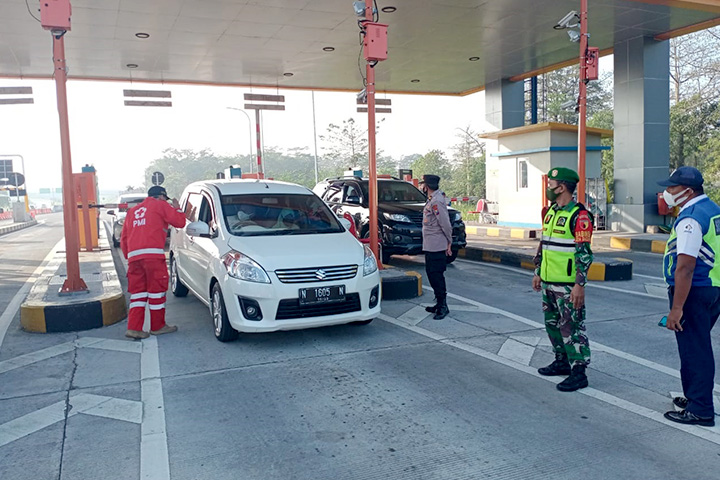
561, 265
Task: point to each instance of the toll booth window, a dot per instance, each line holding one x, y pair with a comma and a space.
192, 208
522, 179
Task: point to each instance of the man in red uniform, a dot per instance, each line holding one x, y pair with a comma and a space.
142, 242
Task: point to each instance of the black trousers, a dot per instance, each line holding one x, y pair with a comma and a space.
697, 365
435, 266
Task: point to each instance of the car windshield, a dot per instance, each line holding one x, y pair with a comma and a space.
130, 200
399, 192
277, 214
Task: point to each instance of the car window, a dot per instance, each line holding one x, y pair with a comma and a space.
277, 214
192, 207
206, 213
352, 190
334, 194
399, 192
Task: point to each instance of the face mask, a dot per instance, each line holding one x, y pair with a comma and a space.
551, 195
674, 200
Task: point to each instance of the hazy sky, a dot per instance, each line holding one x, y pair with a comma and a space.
121, 141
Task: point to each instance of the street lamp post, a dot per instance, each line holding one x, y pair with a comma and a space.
249, 132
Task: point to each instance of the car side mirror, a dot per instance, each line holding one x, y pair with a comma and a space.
353, 200
198, 229
111, 213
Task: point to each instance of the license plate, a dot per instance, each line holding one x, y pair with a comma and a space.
314, 295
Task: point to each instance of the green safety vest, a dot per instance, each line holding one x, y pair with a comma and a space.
558, 246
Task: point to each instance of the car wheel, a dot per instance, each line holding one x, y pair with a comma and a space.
223, 331
177, 287
362, 322
451, 258
116, 243
385, 257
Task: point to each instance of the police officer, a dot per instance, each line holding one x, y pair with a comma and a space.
561, 265
437, 242
693, 276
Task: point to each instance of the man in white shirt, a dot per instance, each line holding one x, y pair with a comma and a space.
693, 277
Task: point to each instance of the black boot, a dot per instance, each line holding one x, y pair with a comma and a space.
575, 381
559, 367
442, 310
434, 308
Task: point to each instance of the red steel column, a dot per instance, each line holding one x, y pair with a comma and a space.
73, 282
582, 100
260, 171
372, 183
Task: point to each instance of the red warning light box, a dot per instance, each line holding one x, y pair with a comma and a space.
375, 44
55, 14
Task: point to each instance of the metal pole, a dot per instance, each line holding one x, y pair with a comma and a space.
582, 101
533, 101
315, 137
249, 133
372, 183
259, 150
73, 282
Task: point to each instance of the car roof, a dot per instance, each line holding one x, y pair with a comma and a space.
126, 196
253, 186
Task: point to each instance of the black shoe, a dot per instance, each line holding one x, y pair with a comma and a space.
575, 381
688, 418
558, 367
680, 402
441, 311
432, 309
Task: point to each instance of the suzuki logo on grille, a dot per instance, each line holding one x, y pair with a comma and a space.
320, 274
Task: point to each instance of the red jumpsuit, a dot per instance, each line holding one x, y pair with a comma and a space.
142, 242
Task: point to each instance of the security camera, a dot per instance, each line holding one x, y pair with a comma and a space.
565, 21
362, 96
574, 35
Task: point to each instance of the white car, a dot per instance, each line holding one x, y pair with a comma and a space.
127, 201
268, 256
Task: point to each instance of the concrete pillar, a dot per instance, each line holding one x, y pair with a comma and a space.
505, 104
642, 131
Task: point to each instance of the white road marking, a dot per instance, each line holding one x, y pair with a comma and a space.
14, 305
709, 434
517, 351
31, 423
34, 357
660, 279
593, 345
110, 407
414, 316
656, 290
154, 461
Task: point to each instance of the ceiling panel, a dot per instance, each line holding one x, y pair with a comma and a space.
256, 41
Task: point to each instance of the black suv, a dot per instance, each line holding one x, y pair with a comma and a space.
400, 213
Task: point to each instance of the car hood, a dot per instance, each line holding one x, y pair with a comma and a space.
405, 207
300, 251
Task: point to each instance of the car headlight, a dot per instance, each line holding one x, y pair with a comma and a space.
397, 217
244, 268
120, 221
369, 264
457, 217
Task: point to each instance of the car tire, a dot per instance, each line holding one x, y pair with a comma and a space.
116, 243
177, 287
451, 258
385, 257
362, 322
221, 325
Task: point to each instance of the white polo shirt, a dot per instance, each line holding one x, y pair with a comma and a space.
689, 232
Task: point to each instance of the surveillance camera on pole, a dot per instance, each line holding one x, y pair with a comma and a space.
565, 21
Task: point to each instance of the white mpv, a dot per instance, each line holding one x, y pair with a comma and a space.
268, 256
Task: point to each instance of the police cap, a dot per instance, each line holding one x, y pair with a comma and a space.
432, 181
156, 191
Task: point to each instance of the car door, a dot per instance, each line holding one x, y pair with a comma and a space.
203, 251
186, 262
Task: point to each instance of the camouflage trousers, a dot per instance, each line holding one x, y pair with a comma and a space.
565, 325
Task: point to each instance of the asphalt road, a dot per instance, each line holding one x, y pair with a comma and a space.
405, 397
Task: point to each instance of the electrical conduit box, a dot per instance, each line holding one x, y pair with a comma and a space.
592, 66
55, 14
375, 44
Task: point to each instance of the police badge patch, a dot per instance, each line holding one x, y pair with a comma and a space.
561, 221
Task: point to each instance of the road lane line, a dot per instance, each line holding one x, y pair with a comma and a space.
14, 305
593, 345
517, 351
709, 434
154, 461
31, 423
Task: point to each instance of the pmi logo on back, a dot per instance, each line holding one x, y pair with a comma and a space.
139, 217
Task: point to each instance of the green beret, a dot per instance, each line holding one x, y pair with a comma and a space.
562, 174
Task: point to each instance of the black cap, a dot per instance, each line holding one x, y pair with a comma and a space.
432, 181
156, 191
685, 176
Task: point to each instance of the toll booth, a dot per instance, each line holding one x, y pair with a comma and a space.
518, 159
86, 197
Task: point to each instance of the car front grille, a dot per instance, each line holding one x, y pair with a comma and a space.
317, 274
416, 218
289, 309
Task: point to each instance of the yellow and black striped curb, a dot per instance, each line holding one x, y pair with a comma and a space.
398, 284
630, 243
44, 311
17, 226
618, 269
503, 232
